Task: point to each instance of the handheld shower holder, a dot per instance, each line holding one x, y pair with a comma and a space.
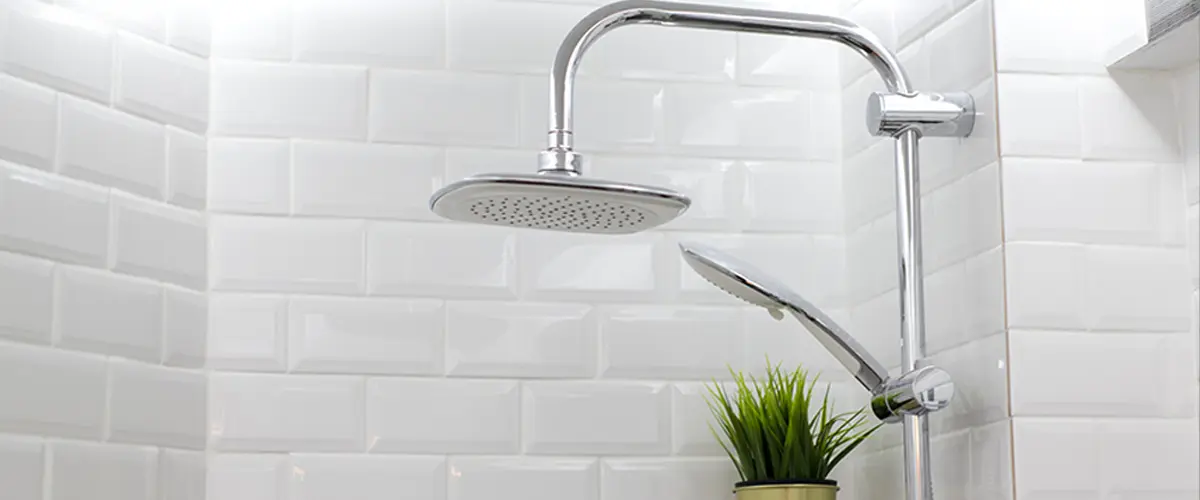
949, 114
919, 392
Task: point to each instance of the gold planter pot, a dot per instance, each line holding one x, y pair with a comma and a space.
787, 491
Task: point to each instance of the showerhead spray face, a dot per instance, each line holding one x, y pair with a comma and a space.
558, 202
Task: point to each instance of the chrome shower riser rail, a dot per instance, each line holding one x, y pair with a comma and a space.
901, 113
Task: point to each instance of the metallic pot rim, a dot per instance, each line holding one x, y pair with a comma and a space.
786, 482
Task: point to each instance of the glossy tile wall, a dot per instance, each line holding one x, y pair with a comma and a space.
361, 348
103, 115
945, 46
1100, 304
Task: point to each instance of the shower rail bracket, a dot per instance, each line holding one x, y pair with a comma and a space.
949, 114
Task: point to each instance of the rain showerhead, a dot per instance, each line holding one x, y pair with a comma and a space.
558, 202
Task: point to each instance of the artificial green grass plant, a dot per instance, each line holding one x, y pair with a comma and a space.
771, 430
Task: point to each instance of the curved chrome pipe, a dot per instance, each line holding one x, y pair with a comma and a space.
711, 17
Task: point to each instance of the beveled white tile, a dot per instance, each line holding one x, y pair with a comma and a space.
407, 34
189, 27
481, 478
793, 197
980, 369
21, 467
702, 117
181, 475
1040, 388
1039, 115
520, 339
878, 320
261, 30
234, 476
187, 169
26, 298
920, 17
785, 342
443, 259
161, 83
52, 392
622, 418
464, 162
247, 332
562, 266
443, 108
1193, 243
878, 17
1125, 443
102, 470
617, 115
72, 225
364, 180
524, 42
259, 254
962, 218
158, 241
654, 53
1045, 285
249, 176
779, 60
690, 420
449, 420
669, 342
258, 412
1079, 42
147, 19
992, 461
1128, 117
334, 477
111, 148
107, 313
770, 120
29, 125
650, 478
869, 184
59, 48
381, 336
1136, 288
712, 185
156, 406
185, 327
950, 469
961, 48
1059, 456
283, 100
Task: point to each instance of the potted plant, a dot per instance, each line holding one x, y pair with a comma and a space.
783, 442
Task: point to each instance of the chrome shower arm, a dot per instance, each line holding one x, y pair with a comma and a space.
711, 17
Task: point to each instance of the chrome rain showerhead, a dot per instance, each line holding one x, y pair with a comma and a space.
558, 202
743, 281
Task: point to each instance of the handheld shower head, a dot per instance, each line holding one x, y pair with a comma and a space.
743, 281
558, 202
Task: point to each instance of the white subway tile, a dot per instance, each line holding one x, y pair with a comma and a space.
249, 176
690, 421
872, 250
51, 392
1136, 288
1188, 98
29, 123
59, 48
26, 298
1045, 363
920, 17
1057, 457
1193, 243
793, 197
879, 474
181, 475
992, 461
612, 115
983, 295
492, 35
382, 336
156, 406
147, 19
731, 120
1039, 115
161, 83
444, 108
247, 333
249, 477
1125, 444
961, 48
336, 477
108, 147
562, 266
463, 162
520, 339
1045, 285
652, 478
950, 467
980, 369
187, 169
622, 418
252, 412
259, 30
963, 218
258, 253
72, 222
869, 184
781, 60
441, 259
1071, 36
448, 421
483, 478
669, 342
1128, 117
712, 185
409, 34
654, 53
102, 470
878, 17
534, 111
158, 241
280, 100
364, 180
21, 467
878, 318
978, 150
185, 327
786, 343
108, 313
189, 27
